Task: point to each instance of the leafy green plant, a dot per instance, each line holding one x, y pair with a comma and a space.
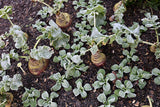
151, 21
47, 100
56, 36
41, 52
121, 68
103, 81
107, 101
139, 75
130, 55
19, 37
30, 96
63, 20
61, 81
81, 90
71, 63
156, 72
125, 90
8, 83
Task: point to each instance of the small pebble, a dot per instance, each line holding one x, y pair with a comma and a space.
137, 104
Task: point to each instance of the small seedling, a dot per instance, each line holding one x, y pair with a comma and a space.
61, 81
103, 81
47, 100
30, 96
20, 66
80, 90
139, 75
107, 101
125, 90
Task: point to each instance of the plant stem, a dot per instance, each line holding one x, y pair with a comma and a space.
36, 43
148, 43
46, 5
26, 57
150, 103
94, 19
9, 19
157, 36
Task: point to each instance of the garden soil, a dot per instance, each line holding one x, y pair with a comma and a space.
25, 14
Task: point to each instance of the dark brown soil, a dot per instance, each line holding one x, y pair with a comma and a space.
25, 14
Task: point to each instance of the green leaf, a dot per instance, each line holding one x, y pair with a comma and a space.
5, 61
4, 11
128, 84
87, 87
56, 76
83, 94
41, 102
131, 95
122, 94
126, 69
112, 98
100, 76
94, 49
111, 76
96, 85
53, 104
76, 92
101, 98
142, 83
56, 87
115, 67
157, 80
106, 87
156, 71
54, 95
119, 84
45, 95
76, 59
135, 58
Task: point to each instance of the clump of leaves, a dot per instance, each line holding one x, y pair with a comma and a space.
19, 37
5, 62
47, 100
121, 68
30, 96
156, 72
139, 75
56, 36
103, 81
8, 83
125, 90
71, 63
63, 20
130, 55
107, 101
151, 21
42, 52
81, 90
61, 81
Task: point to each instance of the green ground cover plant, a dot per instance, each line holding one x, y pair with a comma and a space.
88, 37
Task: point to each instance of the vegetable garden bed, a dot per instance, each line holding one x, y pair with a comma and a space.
79, 53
